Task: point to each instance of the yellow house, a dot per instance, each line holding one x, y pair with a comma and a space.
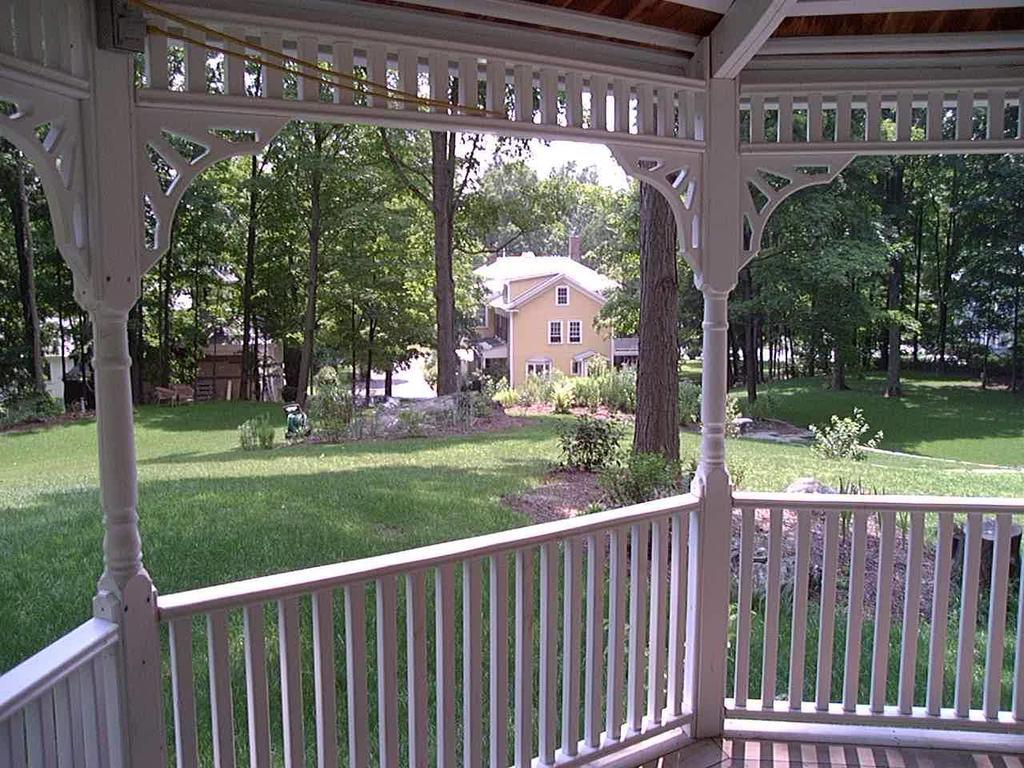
539, 316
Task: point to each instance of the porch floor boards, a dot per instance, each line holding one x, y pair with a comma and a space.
753, 753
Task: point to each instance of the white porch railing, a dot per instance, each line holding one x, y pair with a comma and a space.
932, 667
60, 707
567, 680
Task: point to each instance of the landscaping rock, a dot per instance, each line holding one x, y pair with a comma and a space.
809, 485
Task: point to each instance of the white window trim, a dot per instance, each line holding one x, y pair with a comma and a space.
557, 289
545, 367
568, 332
561, 331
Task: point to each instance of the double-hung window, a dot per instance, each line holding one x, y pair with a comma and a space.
555, 332
575, 331
562, 296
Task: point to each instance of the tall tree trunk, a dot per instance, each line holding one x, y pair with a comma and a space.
248, 358
389, 383
946, 276
893, 385
895, 202
442, 146
166, 291
309, 324
1015, 373
838, 367
918, 253
657, 381
369, 357
60, 324
353, 327
136, 339
18, 202
749, 337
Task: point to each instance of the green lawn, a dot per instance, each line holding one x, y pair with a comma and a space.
950, 418
211, 513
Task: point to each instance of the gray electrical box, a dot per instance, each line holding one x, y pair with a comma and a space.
120, 27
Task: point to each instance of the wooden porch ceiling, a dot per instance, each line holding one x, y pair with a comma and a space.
675, 16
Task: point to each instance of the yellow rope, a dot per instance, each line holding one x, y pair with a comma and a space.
355, 84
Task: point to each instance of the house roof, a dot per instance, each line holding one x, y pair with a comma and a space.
509, 269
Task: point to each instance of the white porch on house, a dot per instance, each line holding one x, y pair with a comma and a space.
603, 640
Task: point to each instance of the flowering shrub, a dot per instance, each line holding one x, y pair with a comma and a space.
844, 438
589, 443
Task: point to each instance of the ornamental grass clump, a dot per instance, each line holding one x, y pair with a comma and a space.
256, 433
843, 438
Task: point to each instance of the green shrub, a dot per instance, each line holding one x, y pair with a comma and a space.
28, 406
255, 433
618, 388
588, 443
689, 402
467, 407
412, 422
506, 397
536, 390
638, 477
733, 411
586, 392
762, 409
843, 438
331, 411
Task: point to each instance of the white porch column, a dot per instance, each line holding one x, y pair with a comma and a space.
125, 593
707, 619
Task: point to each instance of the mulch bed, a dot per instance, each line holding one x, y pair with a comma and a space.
567, 493
31, 425
564, 493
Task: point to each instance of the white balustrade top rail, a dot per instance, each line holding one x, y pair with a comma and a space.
335, 575
40, 673
880, 502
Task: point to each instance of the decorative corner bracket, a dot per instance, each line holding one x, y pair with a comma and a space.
173, 148
676, 174
767, 181
46, 127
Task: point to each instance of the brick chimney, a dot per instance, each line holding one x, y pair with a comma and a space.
574, 247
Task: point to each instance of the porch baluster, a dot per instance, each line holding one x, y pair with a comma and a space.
798, 638
324, 691
257, 695
416, 665
498, 680
883, 611
911, 614
592, 721
854, 618
617, 565
827, 617
387, 671
547, 702
997, 616
524, 660
571, 613
968, 615
657, 627
770, 654
638, 580
940, 607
